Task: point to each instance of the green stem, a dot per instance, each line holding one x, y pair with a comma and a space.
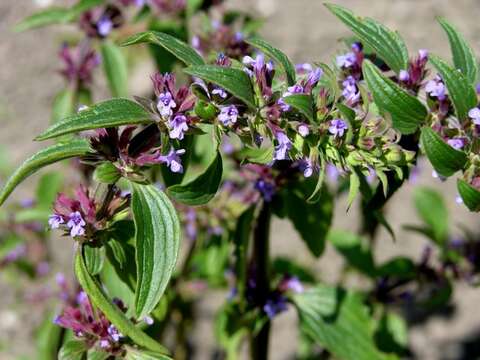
111, 311
260, 270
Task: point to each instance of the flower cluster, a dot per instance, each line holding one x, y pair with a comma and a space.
83, 216
100, 21
91, 325
79, 63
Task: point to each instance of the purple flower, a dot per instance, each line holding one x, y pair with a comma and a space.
104, 26
55, 220
350, 91
291, 283
436, 88
313, 77
307, 167
220, 92
347, 60
332, 172
172, 159
266, 189
256, 63
275, 305
303, 68
337, 127
403, 75
456, 143
303, 130
178, 126
114, 333
166, 104
423, 54
148, 320
474, 114
228, 115
76, 224
458, 199
284, 145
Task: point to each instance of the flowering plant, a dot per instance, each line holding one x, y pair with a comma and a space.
243, 137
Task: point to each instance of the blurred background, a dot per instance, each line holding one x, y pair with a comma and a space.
306, 32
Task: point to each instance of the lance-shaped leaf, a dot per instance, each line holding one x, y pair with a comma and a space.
63, 105
460, 90
94, 258
73, 350
463, 55
235, 81
302, 103
53, 15
110, 113
176, 47
157, 239
338, 321
115, 68
112, 311
41, 159
257, 155
203, 188
388, 44
406, 111
470, 195
276, 55
137, 354
431, 209
445, 159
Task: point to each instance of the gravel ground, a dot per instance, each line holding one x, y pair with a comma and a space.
306, 32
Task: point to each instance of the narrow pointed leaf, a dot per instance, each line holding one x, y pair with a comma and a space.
460, 90
137, 354
235, 81
276, 55
470, 195
157, 239
406, 111
63, 105
444, 158
463, 55
338, 321
41, 159
176, 47
115, 68
94, 258
203, 188
388, 44
257, 155
110, 113
302, 103
431, 209
73, 350
53, 15
111, 311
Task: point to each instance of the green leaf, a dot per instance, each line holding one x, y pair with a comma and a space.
445, 159
137, 354
41, 159
48, 187
94, 258
460, 90
115, 68
392, 334
338, 321
110, 113
106, 173
53, 15
388, 44
470, 195
257, 155
157, 239
235, 81
407, 111
311, 220
203, 188
398, 267
354, 249
73, 350
433, 212
241, 239
302, 103
176, 47
111, 311
463, 55
276, 55
97, 355
63, 105
48, 339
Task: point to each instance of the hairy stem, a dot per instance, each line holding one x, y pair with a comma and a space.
259, 270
